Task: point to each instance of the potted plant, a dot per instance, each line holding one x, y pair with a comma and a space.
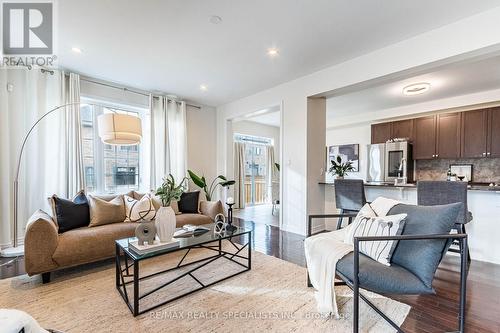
340, 169
209, 190
165, 216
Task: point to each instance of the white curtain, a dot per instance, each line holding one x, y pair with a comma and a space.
239, 174
168, 140
30, 94
177, 135
270, 171
75, 173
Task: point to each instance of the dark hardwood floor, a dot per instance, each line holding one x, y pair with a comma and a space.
429, 313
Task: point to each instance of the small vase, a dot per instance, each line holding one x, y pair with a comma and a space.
165, 223
340, 177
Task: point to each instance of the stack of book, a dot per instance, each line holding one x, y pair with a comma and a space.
190, 230
156, 246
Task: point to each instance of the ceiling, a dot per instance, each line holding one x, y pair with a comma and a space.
171, 46
450, 80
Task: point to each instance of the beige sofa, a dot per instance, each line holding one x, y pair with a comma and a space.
46, 250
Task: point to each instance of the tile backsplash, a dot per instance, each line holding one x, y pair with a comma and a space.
485, 170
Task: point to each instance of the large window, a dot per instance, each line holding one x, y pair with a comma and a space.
108, 169
255, 168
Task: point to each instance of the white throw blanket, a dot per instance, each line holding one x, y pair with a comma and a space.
324, 250
12, 321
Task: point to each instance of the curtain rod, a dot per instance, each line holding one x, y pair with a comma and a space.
83, 78
129, 90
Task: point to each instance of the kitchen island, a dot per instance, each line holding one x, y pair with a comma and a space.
483, 202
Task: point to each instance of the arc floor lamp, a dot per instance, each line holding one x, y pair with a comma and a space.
114, 129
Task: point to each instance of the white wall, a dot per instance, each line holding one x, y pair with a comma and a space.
437, 46
355, 134
201, 141
256, 129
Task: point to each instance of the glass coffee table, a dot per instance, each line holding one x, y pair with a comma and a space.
128, 264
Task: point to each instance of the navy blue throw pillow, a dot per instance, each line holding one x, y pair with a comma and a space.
188, 204
70, 214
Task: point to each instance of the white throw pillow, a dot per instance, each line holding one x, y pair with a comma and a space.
365, 211
139, 210
390, 225
381, 206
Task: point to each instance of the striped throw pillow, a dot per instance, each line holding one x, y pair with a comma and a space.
367, 211
391, 225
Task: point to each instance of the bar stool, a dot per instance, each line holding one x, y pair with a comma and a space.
431, 193
349, 197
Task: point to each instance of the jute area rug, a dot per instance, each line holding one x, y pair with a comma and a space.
272, 297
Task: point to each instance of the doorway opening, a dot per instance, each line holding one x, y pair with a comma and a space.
256, 164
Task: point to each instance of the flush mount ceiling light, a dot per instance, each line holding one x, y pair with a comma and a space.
416, 88
214, 19
203, 87
76, 50
273, 52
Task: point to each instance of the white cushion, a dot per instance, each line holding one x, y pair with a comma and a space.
139, 210
381, 206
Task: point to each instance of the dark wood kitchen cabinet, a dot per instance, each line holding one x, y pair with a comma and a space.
475, 133
395, 129
437, 136
448, 135
494, 133
424, 140
468, 134
402, 129
381, 132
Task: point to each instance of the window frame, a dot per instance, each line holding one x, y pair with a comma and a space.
98, 150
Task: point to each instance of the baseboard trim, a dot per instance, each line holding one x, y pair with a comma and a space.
20, 241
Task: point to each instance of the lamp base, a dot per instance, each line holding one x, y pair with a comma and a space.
12, 252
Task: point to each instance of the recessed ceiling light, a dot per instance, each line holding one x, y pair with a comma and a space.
76, 50
203, 87
273, 52
416, 88
214, 19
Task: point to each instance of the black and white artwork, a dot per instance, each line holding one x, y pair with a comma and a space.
346, 153
463, 171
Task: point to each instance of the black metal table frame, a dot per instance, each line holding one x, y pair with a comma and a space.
122, 273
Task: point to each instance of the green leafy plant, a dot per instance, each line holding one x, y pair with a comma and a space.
340, 169
201, 182
169, 190
277, 166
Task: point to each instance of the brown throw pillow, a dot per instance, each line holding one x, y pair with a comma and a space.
105, 212
211, 208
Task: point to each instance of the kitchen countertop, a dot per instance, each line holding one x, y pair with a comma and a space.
472, 187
